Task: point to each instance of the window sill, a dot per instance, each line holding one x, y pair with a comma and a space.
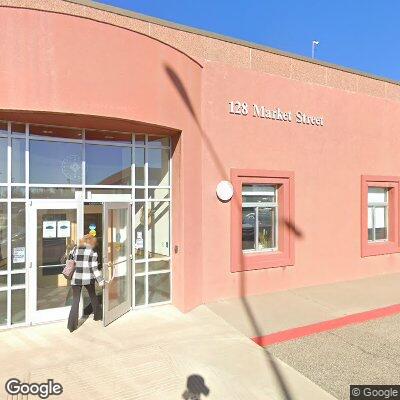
379, 248
263, 260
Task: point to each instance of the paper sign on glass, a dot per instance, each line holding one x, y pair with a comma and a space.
139, 240
63, 229
18, 255
49, 229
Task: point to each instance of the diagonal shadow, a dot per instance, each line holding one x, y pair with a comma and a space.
179, 86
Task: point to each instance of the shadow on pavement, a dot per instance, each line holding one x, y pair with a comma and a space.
195, 388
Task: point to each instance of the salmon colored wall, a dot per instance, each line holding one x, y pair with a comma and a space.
359, 137
65, 64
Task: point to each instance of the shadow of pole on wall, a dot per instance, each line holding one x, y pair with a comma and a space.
270, 361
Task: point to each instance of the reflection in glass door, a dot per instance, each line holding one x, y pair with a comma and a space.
152, 215
117, 260
54, 234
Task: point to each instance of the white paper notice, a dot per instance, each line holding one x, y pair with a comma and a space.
63, 229
120, 269
139, 240
18, 255
49, 229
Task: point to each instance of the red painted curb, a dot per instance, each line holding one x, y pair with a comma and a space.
324, 326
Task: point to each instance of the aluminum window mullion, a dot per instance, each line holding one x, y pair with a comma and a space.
146, 222
133, 223
54, 139
83, 163
373, 224
9, 236
256, 230
107, 143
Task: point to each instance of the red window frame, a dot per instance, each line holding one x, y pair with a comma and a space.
284, 256
392, 245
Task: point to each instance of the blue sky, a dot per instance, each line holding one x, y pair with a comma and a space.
360, 34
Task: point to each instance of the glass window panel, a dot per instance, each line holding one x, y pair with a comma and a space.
140, 268
139, 290
257, 188
109, 191
370, 219
139, 167
118, 255
110, 136
370, 234
18, 192
3, 308
53, 290
18, 306
18, 279
18, 249
158, 167
108, 165
93, 222
158, 230
3, 127
53, 193
3, 236
158, 265
140, 232
380, 234
380, 223
139, 139
55, 131
380, 217
158, 193
159, 288
18, 128
376, 195
3, 192
139, 194
248, 228
18, 160
158, 141
3, 281
3, 160
55, 162
259, 194
266, 228
110, 194
258, 199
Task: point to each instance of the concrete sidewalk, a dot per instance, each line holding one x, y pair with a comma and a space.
279, 311
148, 355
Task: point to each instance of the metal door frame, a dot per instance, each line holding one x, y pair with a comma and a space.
121, 309
35, 316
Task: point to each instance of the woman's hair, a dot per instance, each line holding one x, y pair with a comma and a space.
88, 240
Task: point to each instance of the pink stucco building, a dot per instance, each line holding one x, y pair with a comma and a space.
108, 113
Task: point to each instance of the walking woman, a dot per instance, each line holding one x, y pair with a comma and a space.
86, 273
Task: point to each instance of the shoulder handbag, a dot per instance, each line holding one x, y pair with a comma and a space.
70, 265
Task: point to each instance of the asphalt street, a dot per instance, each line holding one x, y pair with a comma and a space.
367, 353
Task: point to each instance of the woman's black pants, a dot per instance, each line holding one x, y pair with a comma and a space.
76, 296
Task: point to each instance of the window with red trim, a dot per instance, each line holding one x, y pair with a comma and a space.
262, 219
379, 215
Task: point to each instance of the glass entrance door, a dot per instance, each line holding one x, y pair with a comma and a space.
117, 258
54, 233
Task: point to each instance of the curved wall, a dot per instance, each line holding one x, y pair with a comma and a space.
59, 63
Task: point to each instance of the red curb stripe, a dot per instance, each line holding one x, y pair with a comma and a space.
324, 326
